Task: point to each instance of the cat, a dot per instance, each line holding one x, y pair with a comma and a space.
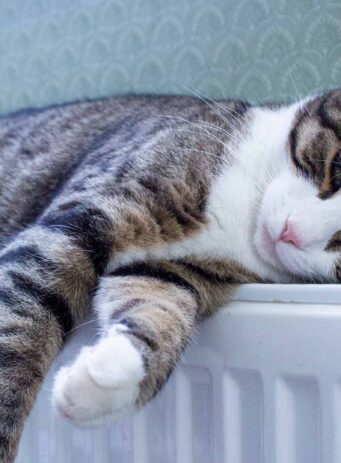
150, 210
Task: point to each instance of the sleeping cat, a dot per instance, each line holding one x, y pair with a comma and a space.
150, 210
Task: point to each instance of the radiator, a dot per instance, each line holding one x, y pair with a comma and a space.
260, 383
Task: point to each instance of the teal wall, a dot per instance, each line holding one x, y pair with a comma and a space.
59, 50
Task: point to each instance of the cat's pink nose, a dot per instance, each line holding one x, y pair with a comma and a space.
289, 235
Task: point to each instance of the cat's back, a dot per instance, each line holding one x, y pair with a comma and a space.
59, 133
42, 149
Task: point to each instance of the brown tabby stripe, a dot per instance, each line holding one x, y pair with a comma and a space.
150, 271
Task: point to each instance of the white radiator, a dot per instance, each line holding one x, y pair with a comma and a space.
261, 383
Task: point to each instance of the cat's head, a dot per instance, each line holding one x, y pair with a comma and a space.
299, 224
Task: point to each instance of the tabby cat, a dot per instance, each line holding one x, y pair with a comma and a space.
150, 210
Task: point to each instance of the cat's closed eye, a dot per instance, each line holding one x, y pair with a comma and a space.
336, 183
334, 244
336, 172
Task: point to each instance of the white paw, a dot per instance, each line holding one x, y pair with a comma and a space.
102, 383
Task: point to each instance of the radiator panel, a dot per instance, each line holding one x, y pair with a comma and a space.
260, 383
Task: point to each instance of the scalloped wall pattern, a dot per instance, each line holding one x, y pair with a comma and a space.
58, 50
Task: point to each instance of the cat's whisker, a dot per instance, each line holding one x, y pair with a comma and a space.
200, 125
208, 136
305, 106
334, 176
79, 326
230, 111
206, 152
234, 136
294, 86
198, 166
212, 136
214, 109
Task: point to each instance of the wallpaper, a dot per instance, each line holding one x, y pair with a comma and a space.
61, 50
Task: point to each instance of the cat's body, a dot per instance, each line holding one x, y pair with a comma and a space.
150, 209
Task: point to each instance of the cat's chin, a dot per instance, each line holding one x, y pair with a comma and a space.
266, 249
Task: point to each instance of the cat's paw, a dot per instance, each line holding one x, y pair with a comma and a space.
102, 383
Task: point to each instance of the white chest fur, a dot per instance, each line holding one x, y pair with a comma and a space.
234, 199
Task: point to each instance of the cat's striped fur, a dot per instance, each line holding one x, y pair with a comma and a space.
102, 203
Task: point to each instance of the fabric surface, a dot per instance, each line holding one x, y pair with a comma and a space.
60, 50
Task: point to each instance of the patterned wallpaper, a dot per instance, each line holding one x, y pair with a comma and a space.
59, 50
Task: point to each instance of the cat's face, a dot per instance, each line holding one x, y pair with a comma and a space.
299, 224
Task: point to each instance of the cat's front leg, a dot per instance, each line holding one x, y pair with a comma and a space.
147, 322
30, 338
45, 278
